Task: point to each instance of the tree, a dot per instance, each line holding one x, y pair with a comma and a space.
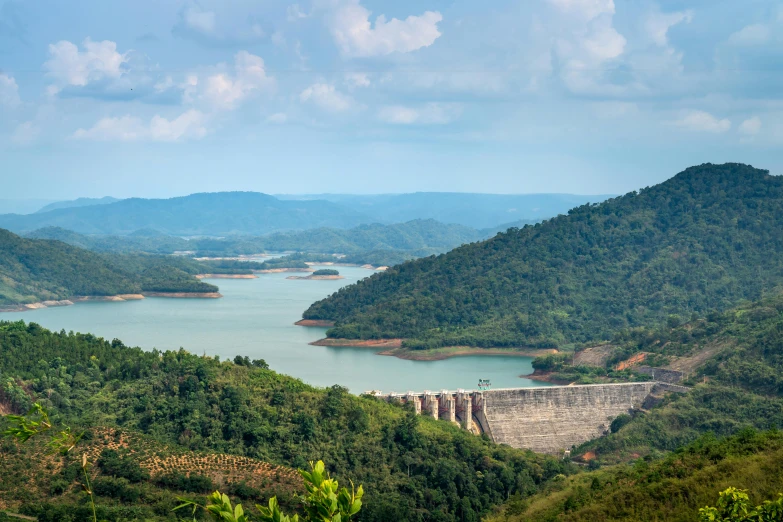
324, 502
734, 506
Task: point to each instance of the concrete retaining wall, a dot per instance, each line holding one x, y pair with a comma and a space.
550, 420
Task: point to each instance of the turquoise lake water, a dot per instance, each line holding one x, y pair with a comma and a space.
255, 318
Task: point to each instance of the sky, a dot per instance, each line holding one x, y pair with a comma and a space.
158, 99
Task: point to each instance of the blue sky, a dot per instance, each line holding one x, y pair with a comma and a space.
587, 96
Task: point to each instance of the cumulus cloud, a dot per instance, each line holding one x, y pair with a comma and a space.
295, 13
226, 90
189, 125
658, 24
9, 91
25, 133
429, 114
218, 23
326, 97
704, 122
70, 66
751, 126
357, 79
356, 36
755, 34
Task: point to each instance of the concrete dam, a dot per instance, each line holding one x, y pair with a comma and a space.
546, 420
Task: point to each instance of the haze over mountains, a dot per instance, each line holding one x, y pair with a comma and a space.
701, 241
250, 213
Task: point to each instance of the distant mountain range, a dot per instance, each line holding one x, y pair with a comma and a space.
468, 209
252, 213
701, 241
75, 203
212, 214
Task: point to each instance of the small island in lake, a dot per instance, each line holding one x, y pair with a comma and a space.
323, 274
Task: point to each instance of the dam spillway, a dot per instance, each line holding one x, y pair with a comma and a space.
549, 419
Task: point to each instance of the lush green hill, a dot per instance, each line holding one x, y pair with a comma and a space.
670, 489
34, 270
701, 241
212, 214
413, 468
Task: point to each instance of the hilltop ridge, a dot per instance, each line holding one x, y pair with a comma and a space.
701, 241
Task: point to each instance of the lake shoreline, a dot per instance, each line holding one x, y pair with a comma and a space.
394, 348
119, 298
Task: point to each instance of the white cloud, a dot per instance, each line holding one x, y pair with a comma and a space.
750, 126
25, 133
755, 34
326, 97
355, 35
225, 90
429, 114
294, 13
357, 79
587, 9
99, 60
9, 91
658, 24
278, 117
199, 20
189, 125
703, 121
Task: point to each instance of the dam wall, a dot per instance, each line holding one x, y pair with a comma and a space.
553, 419
549, 419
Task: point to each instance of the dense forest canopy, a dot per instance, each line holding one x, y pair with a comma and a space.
37, 270
412, 468
700, 241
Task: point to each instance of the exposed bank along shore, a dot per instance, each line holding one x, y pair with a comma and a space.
108, 298
394, 348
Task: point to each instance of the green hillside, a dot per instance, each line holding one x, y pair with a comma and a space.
39, 270
413, 468
413, 237
701, 241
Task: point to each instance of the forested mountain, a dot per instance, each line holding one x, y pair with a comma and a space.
412, 468
700, 442
212, 214
38, 270
411, 237
469, 209
701, 241
78, 202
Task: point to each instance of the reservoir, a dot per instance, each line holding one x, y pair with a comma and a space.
255, 318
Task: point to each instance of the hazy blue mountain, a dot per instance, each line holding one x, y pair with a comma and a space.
481, 211
80, 202
211, 214
22, 206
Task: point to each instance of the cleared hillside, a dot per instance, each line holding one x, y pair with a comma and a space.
701, 241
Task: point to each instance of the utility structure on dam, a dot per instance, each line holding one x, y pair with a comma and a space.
548, 419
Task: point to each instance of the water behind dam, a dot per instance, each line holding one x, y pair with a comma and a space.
256, 318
